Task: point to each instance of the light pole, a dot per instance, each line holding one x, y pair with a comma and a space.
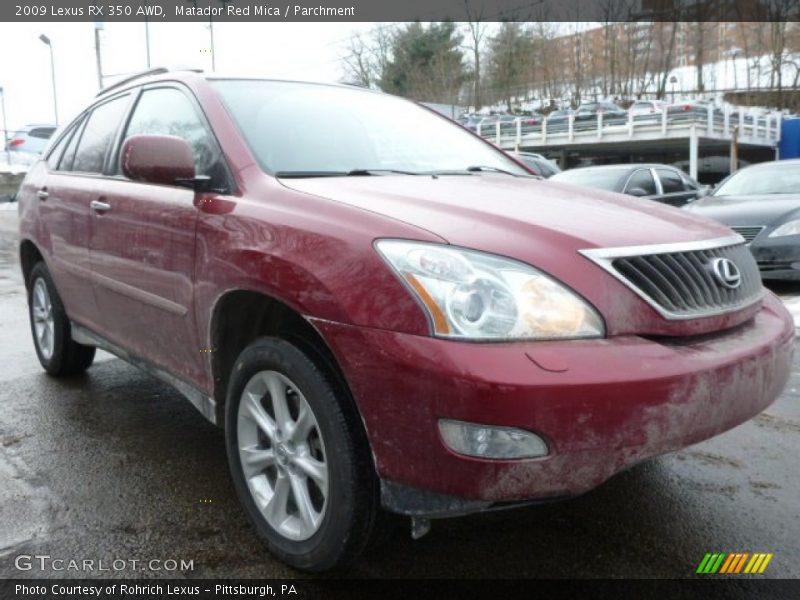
147, 40
46, 41
98, 27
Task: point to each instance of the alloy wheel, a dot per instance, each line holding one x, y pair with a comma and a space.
282, 454
43, 322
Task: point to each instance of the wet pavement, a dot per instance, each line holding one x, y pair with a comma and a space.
116, 465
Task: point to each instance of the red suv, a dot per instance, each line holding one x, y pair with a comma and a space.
384, 312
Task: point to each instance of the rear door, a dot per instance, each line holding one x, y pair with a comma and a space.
64, 197
143, 242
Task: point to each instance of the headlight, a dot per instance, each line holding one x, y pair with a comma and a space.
473, 295
788, 228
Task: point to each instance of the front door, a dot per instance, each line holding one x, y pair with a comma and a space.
143, 244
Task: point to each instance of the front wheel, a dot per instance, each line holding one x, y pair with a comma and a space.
297, 458
58, 353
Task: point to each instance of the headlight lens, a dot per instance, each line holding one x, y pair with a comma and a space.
788, 228
473, 295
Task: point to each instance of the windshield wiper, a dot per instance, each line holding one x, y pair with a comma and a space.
351, 173
480, 168
301, 174
358, 172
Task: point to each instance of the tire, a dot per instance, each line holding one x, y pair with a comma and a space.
285, 455
58, 353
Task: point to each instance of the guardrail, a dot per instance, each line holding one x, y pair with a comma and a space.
749, 125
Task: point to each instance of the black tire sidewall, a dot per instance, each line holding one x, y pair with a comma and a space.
60, 322
329, 545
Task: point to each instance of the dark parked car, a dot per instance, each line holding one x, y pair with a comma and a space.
31, 139
383, 316
488, 124
609, 110
470, 121
647, 108
559, 116
652, 181
538, 164
762, 203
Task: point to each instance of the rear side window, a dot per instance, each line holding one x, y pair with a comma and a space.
168, 111
98, 135
642, 178
65, 164
43, 133
55, 154
671, 181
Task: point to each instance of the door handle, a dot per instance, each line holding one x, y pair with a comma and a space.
99, 207
42, 194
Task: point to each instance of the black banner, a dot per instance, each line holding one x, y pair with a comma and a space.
390, 589
398, 10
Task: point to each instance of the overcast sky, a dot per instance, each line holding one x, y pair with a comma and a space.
309, 51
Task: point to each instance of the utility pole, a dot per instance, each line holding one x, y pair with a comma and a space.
98, 27
147, 40
211, 31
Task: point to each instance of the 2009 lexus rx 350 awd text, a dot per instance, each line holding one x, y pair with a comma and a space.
384, 314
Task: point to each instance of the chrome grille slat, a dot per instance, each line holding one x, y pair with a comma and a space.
677, 279
686, 298
691, 286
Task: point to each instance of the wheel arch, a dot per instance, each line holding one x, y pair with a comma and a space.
29, 255
241, 316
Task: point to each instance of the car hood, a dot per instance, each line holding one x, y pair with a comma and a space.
540, 222
493, 210
747, 210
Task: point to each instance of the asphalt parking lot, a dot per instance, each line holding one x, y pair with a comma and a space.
116, 465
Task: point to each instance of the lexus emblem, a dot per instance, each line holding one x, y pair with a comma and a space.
726, 273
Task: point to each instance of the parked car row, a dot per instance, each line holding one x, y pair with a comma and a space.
760, 202
586, 116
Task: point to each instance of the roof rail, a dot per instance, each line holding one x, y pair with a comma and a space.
147, 73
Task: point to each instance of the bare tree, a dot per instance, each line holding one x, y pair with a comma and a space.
367, 56
667, 45
477, 31
358, 63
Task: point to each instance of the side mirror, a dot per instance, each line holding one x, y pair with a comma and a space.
161, 159
706, 191
637, 191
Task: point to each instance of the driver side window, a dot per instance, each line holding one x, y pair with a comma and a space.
168, 111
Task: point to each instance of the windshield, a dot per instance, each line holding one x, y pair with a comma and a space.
300, 129
769, 179
605, 179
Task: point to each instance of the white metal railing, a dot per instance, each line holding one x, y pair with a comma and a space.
749, 125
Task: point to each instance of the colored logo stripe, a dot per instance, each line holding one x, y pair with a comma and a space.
711, 563
720, 562
758, 563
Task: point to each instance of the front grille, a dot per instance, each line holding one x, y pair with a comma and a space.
678, 281
747, 232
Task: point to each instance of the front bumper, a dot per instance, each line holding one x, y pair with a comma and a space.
777, 258
602, 405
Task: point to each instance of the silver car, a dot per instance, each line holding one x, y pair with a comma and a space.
31, 139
